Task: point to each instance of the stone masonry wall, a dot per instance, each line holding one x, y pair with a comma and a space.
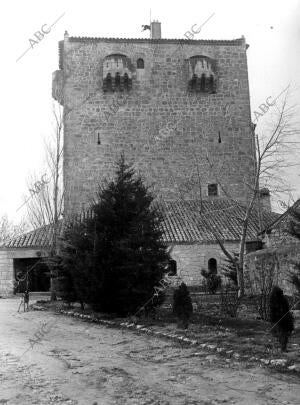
284, 257
6, 274
7, 271
191, 259
161, 127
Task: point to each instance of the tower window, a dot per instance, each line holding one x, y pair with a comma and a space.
202, 74
211, 84
202, 83
127, 82
117, 81
116, 73
140, 63
212, 190
107, 83
193, 83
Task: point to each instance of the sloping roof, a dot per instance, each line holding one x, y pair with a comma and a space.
38, 238
281, 222
182, 223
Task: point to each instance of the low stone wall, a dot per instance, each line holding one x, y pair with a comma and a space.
202, 301
281, 364
277, 263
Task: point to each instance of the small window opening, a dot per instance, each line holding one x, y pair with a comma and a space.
172, 267
212, 266
202, 83
193, 83
109, 82
126, 81
212, 190
118, 81
211, 84
140, 63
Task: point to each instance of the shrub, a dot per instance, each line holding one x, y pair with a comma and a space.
280, 317
262, 279
229, 270
213, 281
182, 306
229, 301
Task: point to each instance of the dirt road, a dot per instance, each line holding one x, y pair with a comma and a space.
79, 363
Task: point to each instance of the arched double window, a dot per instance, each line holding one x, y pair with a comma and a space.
117, 73
202, 74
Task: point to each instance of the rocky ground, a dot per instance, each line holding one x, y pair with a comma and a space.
53, 359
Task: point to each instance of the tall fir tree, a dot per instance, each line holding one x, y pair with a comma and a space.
117, 257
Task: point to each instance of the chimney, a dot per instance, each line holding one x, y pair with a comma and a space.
265, 200
155, 30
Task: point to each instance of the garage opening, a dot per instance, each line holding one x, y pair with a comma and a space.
34, 272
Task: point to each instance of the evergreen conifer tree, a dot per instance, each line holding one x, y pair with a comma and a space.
117, 257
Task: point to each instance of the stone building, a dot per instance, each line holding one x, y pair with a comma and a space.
276, 261
175, 108
187, 230
179, 111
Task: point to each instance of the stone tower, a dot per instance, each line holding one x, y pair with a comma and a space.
179, 110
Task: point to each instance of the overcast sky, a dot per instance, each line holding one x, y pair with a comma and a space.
271, 28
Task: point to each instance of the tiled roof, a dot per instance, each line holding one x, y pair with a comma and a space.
281, 222
38, 238
182, 223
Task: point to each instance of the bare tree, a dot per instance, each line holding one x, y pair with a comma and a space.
271, 157
46, 203
9, 230
45, 207
262, 278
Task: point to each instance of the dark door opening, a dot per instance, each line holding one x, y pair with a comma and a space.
38, 275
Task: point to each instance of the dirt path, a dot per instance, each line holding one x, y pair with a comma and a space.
80, 363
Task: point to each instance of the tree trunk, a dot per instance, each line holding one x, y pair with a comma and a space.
240, 279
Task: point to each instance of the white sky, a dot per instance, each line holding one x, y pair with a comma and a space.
271, 28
